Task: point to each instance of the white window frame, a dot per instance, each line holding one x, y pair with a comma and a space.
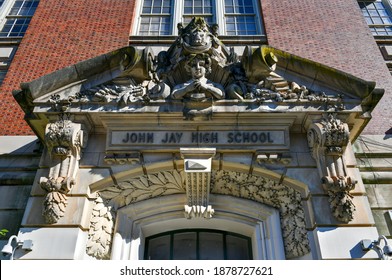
5, 14
388, 6
218, 14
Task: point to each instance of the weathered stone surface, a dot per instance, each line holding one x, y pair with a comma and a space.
323, 216
383, 221
77, 213
348, 239
380, 195
10, 220
54, 243
14, 197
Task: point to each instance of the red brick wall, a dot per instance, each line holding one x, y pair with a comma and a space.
65, 32
334, 33
60, 34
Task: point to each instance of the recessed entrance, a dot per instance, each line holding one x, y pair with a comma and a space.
198, 244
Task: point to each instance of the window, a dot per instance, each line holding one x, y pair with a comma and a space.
234, 17
240, 17
378, 16
18, 18
201, 8
198, 245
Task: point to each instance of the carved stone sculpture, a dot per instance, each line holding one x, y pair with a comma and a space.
287, 200
199, 87
64, 142
269, 192
328, 140
100, 233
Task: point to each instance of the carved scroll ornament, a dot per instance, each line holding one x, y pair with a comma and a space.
64, 142
328, 140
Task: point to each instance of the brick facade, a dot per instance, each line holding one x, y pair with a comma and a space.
333, 33
60, 34
65, 32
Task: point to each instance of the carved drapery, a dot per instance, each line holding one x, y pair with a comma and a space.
287, 200
327, 140
269, 192
64, 140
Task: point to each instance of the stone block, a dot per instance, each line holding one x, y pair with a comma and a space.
308, 176
86, 177
19, 162
150, 158
324, 217
18, 145
383, 221
14, 197
90, 159
17, 177
380, 196
11, 220
241, 158
53, 243
77, 213
305, 160
349, 156
299, 143
344, 242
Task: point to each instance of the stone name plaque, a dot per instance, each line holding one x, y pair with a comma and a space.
121, 139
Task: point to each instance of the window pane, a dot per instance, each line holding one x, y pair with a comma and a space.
211, 246
237, 248
184, 246
159, 248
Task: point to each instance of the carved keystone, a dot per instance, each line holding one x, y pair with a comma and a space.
197, 165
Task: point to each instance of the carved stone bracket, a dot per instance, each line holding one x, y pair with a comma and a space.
64, 140
327, 140
197, 163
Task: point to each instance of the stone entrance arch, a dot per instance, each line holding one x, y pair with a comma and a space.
136, 187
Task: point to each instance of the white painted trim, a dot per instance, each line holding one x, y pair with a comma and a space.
218, 15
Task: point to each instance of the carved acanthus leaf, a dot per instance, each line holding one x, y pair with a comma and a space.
101, 230
54, 206
269, 192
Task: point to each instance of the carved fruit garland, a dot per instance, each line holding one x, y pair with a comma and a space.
125, 193
269, 192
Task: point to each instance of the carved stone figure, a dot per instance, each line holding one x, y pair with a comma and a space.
199, 87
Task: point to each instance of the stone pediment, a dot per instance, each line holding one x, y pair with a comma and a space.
196, 77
